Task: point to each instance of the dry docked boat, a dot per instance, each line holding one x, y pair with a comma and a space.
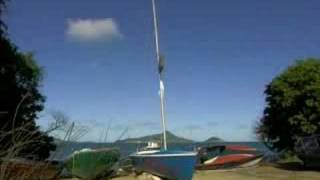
167, 164
91, 163
227, 156
19, 168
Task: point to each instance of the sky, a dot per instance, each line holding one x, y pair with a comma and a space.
100, 66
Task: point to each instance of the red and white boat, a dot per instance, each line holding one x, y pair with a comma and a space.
227, 156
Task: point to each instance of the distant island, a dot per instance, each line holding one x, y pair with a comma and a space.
213, 140
127, 146
171, 138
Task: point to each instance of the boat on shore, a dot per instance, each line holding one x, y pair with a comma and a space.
227, 156
20, 168
166, 164
92, 163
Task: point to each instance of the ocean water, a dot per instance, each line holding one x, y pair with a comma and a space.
66, 149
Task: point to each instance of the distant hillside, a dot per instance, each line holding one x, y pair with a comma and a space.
126, 147
213, 140
171, 138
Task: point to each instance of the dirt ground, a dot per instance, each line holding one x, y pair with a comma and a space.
252, 173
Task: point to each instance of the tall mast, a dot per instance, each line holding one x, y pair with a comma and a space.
155, 22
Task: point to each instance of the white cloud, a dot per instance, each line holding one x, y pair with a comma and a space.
93, 29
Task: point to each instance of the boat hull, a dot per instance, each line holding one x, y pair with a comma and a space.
91, 164
169, 165
227, 156
27, 169
231, 161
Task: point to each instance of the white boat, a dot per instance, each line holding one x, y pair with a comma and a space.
152, 147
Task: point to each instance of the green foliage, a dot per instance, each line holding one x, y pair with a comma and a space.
288, 157
20, 102
292, 106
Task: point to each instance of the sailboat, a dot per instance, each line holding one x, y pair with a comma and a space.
166, 164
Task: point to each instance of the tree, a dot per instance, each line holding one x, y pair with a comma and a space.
292, 106
20, 101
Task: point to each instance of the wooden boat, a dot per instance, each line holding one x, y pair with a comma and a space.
222, 157
18, 168
166, 164
308, 150
91, 163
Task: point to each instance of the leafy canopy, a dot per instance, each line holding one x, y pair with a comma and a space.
292, 105
20, 101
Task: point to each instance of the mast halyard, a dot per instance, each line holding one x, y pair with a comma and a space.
155, 22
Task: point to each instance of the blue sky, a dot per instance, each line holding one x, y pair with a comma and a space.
99, 61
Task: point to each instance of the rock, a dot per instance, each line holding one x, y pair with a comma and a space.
146, 176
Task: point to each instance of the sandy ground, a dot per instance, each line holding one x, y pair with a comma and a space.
253, 173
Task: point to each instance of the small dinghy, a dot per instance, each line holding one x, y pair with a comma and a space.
224, 157
19, 168
91, 163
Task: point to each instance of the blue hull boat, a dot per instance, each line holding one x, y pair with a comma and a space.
175, 165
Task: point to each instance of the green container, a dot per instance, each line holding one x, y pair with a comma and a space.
89, 164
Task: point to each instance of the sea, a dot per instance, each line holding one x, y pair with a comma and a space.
65, 149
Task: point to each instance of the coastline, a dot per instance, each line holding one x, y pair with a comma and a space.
262, 172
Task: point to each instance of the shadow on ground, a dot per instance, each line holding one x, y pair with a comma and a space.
297, 166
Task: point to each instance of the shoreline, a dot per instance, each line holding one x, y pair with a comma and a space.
261, 172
